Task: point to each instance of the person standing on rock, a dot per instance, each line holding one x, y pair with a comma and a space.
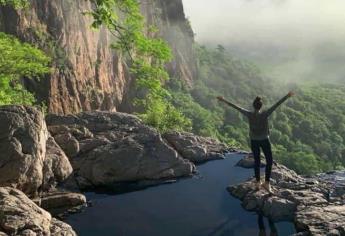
259, 135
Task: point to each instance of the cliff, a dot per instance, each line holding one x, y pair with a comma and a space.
87, 74
42, 160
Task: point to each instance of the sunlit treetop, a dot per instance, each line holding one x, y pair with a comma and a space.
18, 60
14, 3
125, 21
21, 59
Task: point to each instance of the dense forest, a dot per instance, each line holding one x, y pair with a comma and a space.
307, 132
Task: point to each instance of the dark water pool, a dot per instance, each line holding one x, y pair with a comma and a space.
198, 206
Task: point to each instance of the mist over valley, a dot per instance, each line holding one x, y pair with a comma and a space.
289, 40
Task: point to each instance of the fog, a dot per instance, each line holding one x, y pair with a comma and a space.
303, 37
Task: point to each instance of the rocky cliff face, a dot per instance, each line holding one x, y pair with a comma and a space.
45, 159
87, 74
30, 160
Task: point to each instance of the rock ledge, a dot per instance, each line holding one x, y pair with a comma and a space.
305, 201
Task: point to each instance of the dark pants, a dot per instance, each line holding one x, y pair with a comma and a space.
265, 145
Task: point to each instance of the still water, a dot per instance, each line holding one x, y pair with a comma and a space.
198, 206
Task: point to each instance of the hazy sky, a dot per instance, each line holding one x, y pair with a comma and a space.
299, 38
274, 21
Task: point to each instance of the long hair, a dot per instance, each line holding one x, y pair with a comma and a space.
257, 103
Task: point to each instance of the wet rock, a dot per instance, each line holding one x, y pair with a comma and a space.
196, 148
277, 208
295, 198
116, 147
60, 201
21, 216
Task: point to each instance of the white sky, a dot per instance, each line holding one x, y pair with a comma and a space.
278, 22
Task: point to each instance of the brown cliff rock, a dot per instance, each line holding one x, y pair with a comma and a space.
87, 74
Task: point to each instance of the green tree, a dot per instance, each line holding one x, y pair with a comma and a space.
147, 56
18, 60
14, 3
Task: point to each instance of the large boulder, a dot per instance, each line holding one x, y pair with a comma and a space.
322, 219
21, 216
57, 167
111, 147
272, 206
305, 201
196, 148
23, 135
29, 159
60, 201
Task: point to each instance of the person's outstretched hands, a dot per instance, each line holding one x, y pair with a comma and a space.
291, 93
220, 98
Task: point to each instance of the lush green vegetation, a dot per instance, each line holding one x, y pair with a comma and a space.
147, 55
307, 131
135, 40
14, 3
18, 60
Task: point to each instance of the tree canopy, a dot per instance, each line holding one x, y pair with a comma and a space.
18, 60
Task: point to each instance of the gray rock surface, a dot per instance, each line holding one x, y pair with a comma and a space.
304, 201
326, 219
60, 201
110, 147
30, 160
248, 162
21, 216
56, 166
23, 135
196, 148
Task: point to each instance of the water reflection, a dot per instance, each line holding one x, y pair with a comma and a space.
191, 207
262, 228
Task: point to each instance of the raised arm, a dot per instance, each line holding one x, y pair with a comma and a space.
275, 106
240, 109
